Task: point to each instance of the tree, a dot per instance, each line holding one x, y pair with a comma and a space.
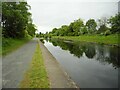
115, 23
77, 26
54, 30
83, 30
16, 19
70, 29
31, 29
102, 25
64, 30
91, 26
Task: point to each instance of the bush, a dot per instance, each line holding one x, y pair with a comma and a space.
5, 42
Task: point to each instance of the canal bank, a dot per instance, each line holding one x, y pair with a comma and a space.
111, 40
57, 77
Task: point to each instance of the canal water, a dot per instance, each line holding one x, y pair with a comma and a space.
89, 65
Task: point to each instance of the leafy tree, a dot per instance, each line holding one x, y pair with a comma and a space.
91, 26
16, 19
102, 24
31, 29
54, 30
77, 26
115, 23
70, 30
102, 29
64, 30
83, 30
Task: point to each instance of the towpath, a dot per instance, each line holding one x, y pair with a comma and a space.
15, 64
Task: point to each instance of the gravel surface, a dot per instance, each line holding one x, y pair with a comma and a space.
15, 64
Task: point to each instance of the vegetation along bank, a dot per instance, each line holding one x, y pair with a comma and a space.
17, 25
104, 31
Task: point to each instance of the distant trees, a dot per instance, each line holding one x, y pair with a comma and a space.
115, 23
75, 28
16, 20
31, 29
91, 26
102, 26
77, 25
84, 30
40, 35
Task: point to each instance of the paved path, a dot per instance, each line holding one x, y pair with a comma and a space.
16, 63
57, 77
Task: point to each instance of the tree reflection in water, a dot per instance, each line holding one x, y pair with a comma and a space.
102, 53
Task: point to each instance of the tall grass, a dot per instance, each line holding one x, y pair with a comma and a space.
10, 44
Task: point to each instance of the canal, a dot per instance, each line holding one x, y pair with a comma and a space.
90, 65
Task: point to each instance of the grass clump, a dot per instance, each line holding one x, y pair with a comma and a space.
10, 44
36, 76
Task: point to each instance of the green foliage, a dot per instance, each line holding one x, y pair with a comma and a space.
91, 26
77, 25
79, 49
40, 35
54, 31
16, 19
10, 44
72, 30
64, 30
102, 24
31, 29
78, 28
115, 23
102, 29
83, 30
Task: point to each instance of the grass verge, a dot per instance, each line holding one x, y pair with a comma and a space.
36, 76
9, 44
110, 40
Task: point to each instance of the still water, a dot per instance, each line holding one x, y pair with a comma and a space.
89, 65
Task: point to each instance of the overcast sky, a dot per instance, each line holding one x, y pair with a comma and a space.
48, 14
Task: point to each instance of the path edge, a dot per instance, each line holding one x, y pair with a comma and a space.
64, 72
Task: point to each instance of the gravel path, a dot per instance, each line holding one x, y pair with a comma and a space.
57, 77
16, 63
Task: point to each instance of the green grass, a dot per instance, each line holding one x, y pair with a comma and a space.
110, 39
36, 76
9, 44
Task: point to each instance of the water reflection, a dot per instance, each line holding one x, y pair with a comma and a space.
42, 40
104, 54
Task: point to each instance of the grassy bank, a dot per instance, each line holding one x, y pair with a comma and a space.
9, 44
36, 76
110, 40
